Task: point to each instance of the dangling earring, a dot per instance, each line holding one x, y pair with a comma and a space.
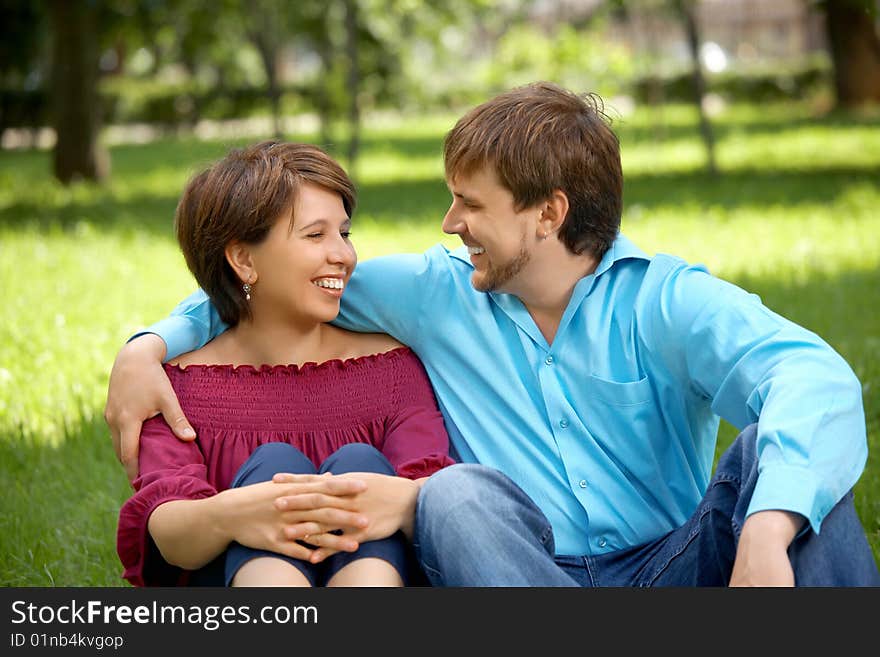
246, 288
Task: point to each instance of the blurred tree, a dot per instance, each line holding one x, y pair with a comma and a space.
22, 37
267, 25
359, 46
74, 91
685, 10
352, 33
855, 49
23, 42
314, 26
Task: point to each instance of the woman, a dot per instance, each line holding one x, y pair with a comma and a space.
265, 232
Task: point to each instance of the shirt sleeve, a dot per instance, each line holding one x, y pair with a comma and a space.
170, 469
387, 295
416, 442
756, 366
191, 325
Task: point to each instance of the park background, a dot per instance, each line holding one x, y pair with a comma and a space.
750, 137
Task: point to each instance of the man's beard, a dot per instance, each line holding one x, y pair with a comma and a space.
495, 277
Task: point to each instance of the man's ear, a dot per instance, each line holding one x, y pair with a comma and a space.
239, 257
554, 210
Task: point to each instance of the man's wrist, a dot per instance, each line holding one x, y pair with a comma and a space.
774, 526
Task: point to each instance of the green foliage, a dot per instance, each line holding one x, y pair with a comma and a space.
793, 219
575, 58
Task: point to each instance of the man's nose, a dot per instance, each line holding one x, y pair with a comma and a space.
452, 225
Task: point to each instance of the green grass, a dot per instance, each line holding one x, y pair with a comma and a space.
794, 218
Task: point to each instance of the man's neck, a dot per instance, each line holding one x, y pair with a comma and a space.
546, 291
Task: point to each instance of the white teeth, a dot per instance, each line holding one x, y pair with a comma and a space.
332, 283
476, 250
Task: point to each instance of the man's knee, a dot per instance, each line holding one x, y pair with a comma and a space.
740, 460
459, 493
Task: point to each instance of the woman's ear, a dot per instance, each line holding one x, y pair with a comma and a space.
239, 257
553, 213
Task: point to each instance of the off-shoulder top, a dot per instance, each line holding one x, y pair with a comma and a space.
384, 400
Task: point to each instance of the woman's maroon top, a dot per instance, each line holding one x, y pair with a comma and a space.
384, 400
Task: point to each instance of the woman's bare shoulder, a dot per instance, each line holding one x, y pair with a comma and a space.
210, 354
367, 344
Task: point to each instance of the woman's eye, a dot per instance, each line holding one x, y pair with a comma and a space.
314, 235
346, 234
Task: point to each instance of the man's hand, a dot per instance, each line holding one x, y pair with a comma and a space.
387, 504
762, 552
138, 390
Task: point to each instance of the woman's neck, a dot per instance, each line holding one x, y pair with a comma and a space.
276, 343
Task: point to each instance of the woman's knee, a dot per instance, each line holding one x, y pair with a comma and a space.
357, 457
268, 460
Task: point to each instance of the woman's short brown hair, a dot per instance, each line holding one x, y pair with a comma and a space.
539, 138
240, 198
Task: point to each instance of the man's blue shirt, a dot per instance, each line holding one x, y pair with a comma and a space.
611, 429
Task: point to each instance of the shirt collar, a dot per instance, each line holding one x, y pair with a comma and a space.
621, 249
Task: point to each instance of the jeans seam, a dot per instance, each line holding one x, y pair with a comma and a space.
690, 539
737, 481
720, 478
546, 536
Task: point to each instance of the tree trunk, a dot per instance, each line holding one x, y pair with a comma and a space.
322, 96
266, 33
855, 52
74, 92
269, 56
686, 11
354, 83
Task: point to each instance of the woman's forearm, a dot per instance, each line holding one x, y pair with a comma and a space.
189, 533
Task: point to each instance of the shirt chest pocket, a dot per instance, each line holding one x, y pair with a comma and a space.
629, 393
621, 414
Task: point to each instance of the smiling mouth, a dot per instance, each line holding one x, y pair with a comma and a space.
330, 283
475, 250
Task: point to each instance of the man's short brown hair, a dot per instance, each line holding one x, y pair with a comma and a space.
539, 138
240, 198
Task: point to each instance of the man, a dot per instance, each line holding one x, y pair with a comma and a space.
581, 383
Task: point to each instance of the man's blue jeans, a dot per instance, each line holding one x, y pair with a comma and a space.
475, 527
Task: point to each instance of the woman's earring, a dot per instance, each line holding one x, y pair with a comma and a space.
246, 288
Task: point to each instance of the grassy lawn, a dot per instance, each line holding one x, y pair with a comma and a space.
793, 218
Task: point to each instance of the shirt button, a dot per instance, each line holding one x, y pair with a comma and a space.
602, 542
582, 483
563, 423
549, 360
